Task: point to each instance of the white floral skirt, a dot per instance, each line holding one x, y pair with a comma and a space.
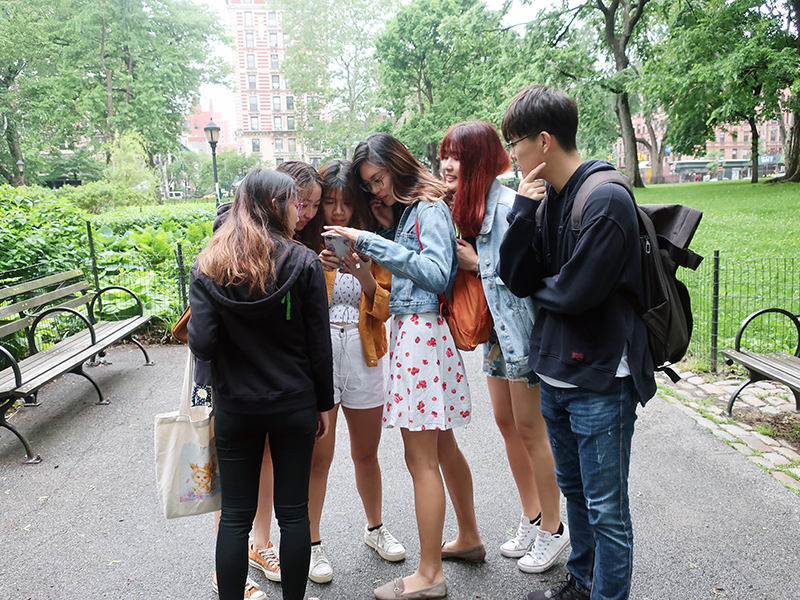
428, 386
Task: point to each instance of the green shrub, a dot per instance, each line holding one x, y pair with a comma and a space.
39, 232
100, 196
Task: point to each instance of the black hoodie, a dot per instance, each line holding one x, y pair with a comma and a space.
270, 353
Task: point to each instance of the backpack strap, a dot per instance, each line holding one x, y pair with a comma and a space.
589, 185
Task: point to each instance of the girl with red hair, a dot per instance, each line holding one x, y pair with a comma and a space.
472, 158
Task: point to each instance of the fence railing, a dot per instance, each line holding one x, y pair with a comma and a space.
723, 291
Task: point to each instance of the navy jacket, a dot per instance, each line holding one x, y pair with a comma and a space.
270, 353
581, 283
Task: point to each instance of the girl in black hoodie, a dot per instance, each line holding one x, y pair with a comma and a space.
260, 316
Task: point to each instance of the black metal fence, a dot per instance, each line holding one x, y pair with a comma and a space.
724, 292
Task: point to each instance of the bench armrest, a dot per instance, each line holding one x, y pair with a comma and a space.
758, 313
139, 304
14, 366
48, 312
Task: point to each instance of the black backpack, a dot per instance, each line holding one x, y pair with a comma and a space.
665, 231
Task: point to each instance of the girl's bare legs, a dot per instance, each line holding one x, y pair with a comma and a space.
518, 458
530, 425
458, 478
318, 484
263, 520
421, 452
365, 435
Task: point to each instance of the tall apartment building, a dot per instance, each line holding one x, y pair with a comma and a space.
265, 107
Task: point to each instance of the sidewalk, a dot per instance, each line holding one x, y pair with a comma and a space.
85, 523
705, 399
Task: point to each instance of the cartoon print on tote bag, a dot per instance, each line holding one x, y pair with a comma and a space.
199, 474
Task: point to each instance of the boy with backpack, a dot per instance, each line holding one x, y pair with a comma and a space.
588, 345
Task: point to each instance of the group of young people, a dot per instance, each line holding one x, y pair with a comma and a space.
290, 331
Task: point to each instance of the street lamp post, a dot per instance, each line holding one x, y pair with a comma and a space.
212, 136
21, 169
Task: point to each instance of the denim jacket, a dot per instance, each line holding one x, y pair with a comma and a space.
513, 317
417, 275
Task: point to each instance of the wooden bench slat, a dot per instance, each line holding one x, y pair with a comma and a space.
785, 369
42, 299
24, 322
41, 282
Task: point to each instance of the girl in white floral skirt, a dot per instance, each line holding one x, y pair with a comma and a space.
427, 394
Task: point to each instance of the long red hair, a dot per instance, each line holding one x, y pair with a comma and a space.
482, 157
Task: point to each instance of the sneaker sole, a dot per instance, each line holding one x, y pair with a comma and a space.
514, 553
384, 555
271, 575
320, 579
544, 567
260, 595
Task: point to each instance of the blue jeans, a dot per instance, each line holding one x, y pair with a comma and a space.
590, 434
240, 442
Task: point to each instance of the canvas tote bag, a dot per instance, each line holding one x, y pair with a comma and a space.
187, 477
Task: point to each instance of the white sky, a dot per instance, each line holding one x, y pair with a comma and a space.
224, 98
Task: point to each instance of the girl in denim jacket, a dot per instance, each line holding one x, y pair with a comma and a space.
472, 157
427, 393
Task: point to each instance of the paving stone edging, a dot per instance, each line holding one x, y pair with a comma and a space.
694, 395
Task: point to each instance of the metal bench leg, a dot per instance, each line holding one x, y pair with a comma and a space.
796, 401
79, 371
33, 458
752, 379
147, 361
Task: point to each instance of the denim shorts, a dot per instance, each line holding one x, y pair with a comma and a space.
494, 364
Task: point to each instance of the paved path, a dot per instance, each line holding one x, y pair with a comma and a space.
85, 523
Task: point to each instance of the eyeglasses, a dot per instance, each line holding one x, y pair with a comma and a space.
377, 184
510, 145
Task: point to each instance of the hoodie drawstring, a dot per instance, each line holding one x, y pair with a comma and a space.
287, 300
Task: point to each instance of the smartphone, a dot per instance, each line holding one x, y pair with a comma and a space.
337, 244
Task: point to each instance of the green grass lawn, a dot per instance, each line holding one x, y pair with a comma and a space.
740, 219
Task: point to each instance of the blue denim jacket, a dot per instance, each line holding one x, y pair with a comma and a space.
513, 317
417, 275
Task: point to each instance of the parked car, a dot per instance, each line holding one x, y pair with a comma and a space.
175, 195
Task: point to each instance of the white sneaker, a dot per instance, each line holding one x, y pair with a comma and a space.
545, 550
251, 589
517, 546
384, 543
319, 571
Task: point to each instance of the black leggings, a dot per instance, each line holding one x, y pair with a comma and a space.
240, 442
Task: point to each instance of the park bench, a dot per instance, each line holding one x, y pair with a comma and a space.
761, 366
45, 315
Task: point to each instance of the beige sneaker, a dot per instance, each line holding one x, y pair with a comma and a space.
251, 589
267, 561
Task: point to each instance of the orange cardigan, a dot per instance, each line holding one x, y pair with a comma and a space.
371, 314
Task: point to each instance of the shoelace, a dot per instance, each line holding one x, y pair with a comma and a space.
318, 554
522, 532
388, 539
250, 588
538, 550
561, 590
270, 557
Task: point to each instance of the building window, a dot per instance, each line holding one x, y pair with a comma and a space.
290, 123
272, 18
278, 122
278, 144
276, 103
254, 123
278, 161
256, 145
286, 39
276, 82
248, 2
251, 82
251, 61
289, 102
722, 137
292, 144
744, 154
746, 137
248, 18
273, 61
249, 40
273, 40
315, 162
253, 102
734, 153
773, 135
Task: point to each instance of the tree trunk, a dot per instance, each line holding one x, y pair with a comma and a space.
754, 149
656, 154
792, 152
623, 110
432, 152
14, 149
